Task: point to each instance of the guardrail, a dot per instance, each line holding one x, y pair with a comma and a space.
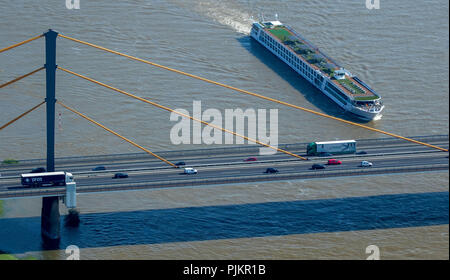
249, 149
37, 192
226, 180
313, 159
259, 162
268, 177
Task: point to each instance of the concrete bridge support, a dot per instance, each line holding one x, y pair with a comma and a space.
50, 222
50, 225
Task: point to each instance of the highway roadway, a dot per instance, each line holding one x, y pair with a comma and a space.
230, 167
145, 161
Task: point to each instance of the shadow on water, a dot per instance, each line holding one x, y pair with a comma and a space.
19, 235
312, 94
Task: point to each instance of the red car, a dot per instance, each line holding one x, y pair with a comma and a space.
250, 159
334, 162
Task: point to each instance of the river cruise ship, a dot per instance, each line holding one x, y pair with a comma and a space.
336, 82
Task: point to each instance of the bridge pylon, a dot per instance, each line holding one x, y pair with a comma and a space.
50, 216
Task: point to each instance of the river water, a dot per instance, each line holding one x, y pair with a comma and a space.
401, 50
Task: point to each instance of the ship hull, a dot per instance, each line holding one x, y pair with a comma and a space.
366, 115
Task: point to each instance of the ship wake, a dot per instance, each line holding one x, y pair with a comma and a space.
378, 117
227, 13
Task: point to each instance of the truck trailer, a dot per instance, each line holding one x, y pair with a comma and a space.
46, 179
331, 147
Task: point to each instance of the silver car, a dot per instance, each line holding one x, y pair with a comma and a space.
366, 163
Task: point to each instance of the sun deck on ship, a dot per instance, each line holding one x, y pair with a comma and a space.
318, 60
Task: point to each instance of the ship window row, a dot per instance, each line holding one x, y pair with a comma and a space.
288, 56
336, 93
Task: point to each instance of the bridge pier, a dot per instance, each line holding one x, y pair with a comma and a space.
72, 219
50, 222
50, 205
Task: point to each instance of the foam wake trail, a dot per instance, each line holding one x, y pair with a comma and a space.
226, 13
378, 117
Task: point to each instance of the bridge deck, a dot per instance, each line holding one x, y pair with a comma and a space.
225, 166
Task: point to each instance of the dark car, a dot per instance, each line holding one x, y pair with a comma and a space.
180, 163
271, 170
251, 159
361, 153
38, 170
98, 168
120, 175
318, 166
325, 154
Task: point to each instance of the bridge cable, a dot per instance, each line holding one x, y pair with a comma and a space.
115, 133
178, 113
21, 77
22, 115
21, 43
254, 94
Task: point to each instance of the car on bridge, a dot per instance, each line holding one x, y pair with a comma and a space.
120, 175
365, 163
180, 163
251, 159
317, 166
271, 170
190, 170
334, 162
38, 170
98, 168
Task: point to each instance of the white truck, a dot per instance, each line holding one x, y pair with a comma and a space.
331, 147
46, 179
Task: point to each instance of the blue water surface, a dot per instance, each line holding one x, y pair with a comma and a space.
235, 221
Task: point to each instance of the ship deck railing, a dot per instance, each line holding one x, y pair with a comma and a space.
369, 108
312, 46
353, 79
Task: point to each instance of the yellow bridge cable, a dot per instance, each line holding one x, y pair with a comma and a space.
115, 133
21, 43
21, 77
181, 114
22, 115
254, 94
